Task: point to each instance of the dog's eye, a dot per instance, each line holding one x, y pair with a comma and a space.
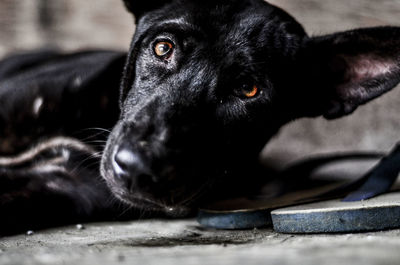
163, 49
247, 91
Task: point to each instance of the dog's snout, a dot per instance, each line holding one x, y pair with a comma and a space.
131, 170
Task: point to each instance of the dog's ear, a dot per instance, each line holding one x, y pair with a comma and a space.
140, 7
351, 68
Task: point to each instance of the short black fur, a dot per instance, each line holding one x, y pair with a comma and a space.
184, 122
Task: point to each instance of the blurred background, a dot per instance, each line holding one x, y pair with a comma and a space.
76, 24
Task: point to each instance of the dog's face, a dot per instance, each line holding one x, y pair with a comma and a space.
206, 84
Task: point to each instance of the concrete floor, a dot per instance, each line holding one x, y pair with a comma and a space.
184, 242
373, 127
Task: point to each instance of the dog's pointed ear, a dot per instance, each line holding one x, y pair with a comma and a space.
140, 7
351, 68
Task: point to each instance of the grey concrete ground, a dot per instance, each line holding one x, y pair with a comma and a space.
75, 24
183, 242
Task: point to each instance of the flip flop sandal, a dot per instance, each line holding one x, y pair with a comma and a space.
334, 216
354, 213
245, 213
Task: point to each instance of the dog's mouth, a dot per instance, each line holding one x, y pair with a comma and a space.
172, 199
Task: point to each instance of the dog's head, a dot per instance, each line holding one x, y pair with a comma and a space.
207, 83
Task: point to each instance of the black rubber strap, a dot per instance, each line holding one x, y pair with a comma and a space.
299, 173
380, 179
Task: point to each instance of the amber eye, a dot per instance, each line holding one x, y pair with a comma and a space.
163, 48
247, 91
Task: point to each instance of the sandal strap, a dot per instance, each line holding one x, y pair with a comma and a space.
380, 179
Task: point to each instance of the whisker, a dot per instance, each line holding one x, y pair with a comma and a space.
99, 132
200, 191
95, 155
95, 129
128, 208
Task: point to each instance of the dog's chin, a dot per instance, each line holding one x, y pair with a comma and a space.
153, 206
179, 203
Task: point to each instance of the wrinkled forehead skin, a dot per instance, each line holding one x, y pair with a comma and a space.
245, 31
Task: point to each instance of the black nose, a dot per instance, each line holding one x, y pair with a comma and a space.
132, 171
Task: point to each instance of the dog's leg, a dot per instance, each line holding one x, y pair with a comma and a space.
57, 182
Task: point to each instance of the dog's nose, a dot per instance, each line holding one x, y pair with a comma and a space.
130, 169
125, 160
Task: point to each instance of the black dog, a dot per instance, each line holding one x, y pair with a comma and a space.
204, 86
